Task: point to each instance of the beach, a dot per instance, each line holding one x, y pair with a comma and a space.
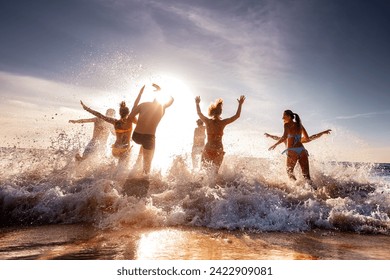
77, 242
61, 209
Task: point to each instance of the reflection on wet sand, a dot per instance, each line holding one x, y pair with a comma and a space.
87, 242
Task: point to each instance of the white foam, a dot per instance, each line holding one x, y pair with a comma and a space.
250, 193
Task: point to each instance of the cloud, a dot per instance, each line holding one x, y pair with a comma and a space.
365, 115
33, 92
18, 103
243, 50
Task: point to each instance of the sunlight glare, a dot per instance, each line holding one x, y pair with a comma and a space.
150, 245
175, 132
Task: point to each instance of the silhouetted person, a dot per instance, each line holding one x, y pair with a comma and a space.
213, 151
149, 116
123, 128
198, 143
293, 136
101, 131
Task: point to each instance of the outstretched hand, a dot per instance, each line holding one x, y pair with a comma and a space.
272, 147
327, 131
157, 87
241, 99
197, 99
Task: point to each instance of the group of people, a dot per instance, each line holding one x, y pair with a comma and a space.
146, 117
293, 137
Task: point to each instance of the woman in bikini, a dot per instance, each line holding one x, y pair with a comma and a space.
294, 135
213, 151
123, 128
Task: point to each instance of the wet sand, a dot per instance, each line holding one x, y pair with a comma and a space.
78, 242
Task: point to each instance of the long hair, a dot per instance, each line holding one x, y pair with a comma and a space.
295, 117
123, 110
215, 110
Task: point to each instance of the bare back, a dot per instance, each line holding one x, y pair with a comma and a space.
123, 129
293, 133
215, 128
150, 115
101, 130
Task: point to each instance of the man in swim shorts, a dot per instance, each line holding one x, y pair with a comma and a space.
149, 116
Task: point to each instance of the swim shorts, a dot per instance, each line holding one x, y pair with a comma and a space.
148, 141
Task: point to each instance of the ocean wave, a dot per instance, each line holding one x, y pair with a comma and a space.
50, 187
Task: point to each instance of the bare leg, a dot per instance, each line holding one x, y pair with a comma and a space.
194, 162
196, 158
148, 157
218, 160
291, 161
123, 164
304, 163
138, 162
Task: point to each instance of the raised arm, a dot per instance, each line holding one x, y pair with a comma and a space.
137, 100
169, 103
83, 120
201, 116
97, 114
132, 114
238, 113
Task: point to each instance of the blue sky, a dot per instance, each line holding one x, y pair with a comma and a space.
326, 60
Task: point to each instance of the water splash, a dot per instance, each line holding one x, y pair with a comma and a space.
49, 186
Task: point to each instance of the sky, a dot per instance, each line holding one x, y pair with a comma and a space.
328, 61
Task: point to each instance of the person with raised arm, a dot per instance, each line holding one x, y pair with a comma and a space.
101, 131
123, 128
213, 152
198, 143
293, 136
149, 116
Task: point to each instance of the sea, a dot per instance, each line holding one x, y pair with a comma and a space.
55, 207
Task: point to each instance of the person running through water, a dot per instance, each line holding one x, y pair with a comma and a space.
213, 151
149, 116
293, 136
123, 128
198, 144
101, 131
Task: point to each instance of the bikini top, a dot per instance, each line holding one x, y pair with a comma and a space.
297, 138
123, 130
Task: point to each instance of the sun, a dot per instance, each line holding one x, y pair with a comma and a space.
174, 134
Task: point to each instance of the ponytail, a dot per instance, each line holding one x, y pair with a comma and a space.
123, 110
297, 119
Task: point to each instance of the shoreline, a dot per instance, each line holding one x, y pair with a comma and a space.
81, 242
